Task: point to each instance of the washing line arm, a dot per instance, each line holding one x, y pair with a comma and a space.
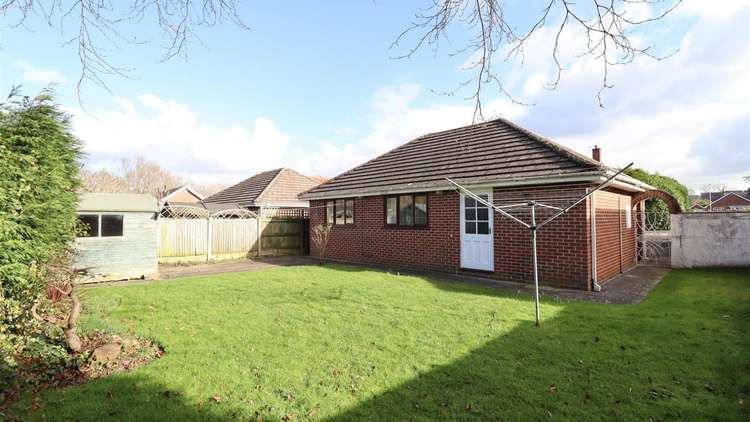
485, 203
583, 198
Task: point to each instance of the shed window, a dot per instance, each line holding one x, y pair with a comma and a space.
99, 225
88, 225
111, 225
406, 210
340, 212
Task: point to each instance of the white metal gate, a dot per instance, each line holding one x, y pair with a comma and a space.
653, 241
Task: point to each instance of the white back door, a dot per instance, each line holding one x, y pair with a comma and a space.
476, 233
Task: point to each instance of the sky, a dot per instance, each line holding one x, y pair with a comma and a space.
317, 88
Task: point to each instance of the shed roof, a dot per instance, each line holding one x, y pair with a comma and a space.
123, 202
484, 152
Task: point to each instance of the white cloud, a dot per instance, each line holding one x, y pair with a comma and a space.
657, 112
30, 73
177, 138
664, 116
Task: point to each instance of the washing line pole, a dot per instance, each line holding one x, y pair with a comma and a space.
533, 227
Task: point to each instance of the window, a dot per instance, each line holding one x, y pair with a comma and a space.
88, 225
391, 213
628, 217
340, 212
111, 225
99, 225
329, 213
406, 210
476, 216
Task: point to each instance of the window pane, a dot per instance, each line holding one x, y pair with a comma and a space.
485, 197
391, 205
483, 228
111, 225
88, 225
470, 214
349, 211
406, 210
340, 211
471, 227
420, 210
329, 212
469, 202
483, 214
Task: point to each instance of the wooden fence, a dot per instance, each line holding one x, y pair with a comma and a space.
193, 239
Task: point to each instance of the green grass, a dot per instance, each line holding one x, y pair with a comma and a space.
340, 344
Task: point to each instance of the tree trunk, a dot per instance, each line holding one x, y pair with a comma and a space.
71, 338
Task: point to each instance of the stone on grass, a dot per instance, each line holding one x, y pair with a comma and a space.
106, 352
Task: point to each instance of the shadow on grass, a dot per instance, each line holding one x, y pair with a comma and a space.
130, 397
604, 365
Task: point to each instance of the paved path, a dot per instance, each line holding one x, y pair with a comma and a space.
255, 264
630, 287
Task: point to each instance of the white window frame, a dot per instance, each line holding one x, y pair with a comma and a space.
99, 225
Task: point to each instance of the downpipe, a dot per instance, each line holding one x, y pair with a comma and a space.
594, 279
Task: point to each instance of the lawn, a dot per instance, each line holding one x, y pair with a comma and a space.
340, 344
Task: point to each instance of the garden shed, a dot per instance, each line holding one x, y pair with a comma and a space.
117, 236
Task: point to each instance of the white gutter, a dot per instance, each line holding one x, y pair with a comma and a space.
591, 176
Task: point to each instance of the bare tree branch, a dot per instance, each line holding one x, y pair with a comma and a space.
607, 25
99, 27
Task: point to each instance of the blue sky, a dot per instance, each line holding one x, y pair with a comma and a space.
314, 87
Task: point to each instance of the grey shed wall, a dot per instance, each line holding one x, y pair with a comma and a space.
131, 256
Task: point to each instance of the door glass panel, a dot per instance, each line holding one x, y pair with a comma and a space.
483, 214
470, 214
469, 202
483, 228
471, 227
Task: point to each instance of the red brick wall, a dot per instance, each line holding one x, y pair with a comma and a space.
435, 248
615, 243
563, 246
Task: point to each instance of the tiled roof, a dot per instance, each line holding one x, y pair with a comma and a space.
246, 191
274, 187
490, 151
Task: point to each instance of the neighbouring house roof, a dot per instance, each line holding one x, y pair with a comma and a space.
279, 187
715, 196
122, 202
497, 150
734, 199
171, 194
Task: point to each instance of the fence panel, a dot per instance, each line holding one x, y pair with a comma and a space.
187, 238
182, 237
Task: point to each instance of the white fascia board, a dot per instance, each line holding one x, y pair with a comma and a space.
591, 176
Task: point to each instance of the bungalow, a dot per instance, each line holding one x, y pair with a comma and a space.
398, 210
732, 201
181, 195
277, 189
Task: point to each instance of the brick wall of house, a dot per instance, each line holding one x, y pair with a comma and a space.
615, 242
563, 246
435, 248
